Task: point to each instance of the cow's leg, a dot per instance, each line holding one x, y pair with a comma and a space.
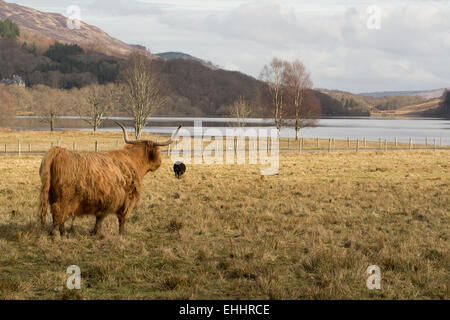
122, 216
121, 219
74, 210
59, 214
126, 209
58, 224
98, 224
62, 229
72, 228
54, 229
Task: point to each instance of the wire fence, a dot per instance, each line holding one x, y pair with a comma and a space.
285, 145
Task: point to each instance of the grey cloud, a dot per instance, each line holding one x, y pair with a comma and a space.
409, 52
121, 8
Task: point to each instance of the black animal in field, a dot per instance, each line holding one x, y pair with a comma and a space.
179, 168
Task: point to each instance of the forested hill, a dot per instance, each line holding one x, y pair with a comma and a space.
204, 91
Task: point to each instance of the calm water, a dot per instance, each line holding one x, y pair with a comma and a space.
339, 128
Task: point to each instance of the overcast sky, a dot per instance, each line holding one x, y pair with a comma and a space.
342, 42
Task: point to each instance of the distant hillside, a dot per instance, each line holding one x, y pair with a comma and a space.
427, 108
199, 90
426, 94
54, 26
185, 56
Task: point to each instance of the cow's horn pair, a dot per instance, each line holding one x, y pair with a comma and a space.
158, 144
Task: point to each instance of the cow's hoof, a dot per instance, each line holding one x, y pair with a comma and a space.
54, 235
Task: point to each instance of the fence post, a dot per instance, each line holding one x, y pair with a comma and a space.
440, 144
29, 147
329, 145
301, 146
318, 144
410, 144
289, 143
18, 147
5, 148
379, 143
396, 143
96, 146
357, 145
426, 141
385, 145
348, 143
365, 143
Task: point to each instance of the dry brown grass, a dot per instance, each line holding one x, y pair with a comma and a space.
309, 232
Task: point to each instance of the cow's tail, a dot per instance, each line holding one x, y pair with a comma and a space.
45, 173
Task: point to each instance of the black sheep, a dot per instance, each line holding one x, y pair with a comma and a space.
179, 168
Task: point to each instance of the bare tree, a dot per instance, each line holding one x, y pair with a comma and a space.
94, 103
23, 97
142, 90
298, 81
239, 110
274, 77
49, 103
8, 103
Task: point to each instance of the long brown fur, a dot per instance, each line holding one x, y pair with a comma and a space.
90, 183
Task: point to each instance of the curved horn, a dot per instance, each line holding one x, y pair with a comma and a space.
125, 135
172, 138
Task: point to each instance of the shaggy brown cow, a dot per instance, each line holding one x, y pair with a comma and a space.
91, 183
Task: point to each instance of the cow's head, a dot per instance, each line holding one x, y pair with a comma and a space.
151, 148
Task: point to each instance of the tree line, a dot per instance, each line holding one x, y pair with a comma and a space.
9, 29
443, 109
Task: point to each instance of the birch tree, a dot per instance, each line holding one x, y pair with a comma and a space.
298, 81
274, 77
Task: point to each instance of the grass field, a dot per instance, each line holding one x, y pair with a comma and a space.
309, 232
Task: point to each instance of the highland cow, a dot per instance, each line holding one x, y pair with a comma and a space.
99, 184
179, 168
